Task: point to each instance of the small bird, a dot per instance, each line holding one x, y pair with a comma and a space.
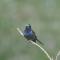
29, 34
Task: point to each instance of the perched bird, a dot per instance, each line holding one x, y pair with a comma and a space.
29, 34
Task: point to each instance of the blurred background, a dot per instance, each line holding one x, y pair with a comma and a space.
43, 15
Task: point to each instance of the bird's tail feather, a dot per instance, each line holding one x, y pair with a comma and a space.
40, 42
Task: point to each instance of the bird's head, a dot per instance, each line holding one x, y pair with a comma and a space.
28, 27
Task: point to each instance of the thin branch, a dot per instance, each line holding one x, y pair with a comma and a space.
42, 49
57, 55
37, 45
20, 32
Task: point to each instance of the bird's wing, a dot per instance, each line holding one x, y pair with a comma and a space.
34, 35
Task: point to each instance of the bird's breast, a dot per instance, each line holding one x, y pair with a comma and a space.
28, 33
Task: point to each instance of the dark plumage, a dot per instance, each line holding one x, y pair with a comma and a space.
29, 34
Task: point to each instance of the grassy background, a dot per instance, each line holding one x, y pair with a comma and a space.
43, 15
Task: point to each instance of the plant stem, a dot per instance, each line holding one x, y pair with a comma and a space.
42, 49
57, 55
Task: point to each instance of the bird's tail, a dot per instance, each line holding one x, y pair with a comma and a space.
40, 42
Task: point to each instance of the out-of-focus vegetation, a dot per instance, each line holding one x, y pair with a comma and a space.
43, 15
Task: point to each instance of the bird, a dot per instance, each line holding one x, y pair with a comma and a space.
29, 34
